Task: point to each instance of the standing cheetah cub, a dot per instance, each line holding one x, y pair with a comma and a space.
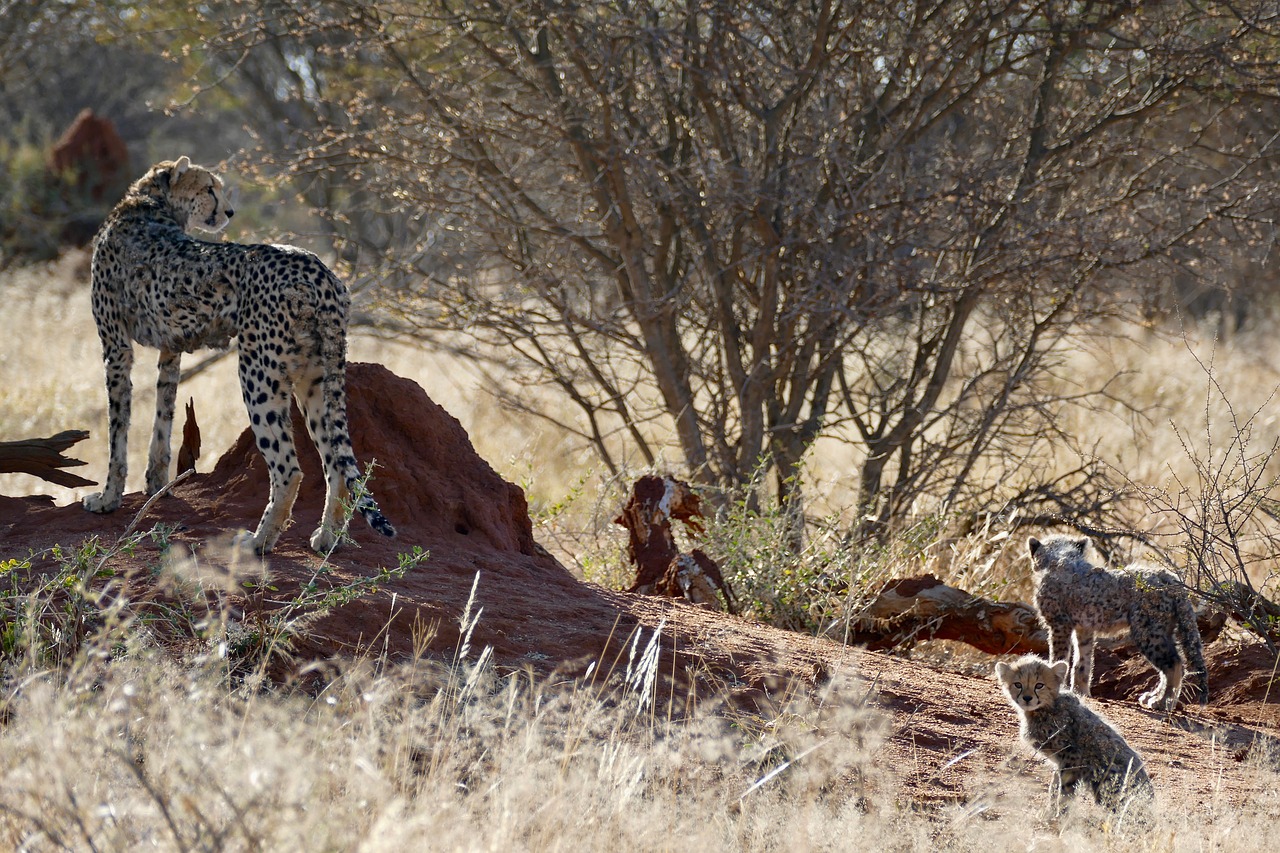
155, 284
1085, 749
1077, 600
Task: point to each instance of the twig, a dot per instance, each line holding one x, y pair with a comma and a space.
161, 492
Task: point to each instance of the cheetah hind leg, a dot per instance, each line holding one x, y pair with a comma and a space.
1082, 673
1161, 652
327, 535
275, 518
1192, 647
161, 435
273, 431
324, 403
311, 399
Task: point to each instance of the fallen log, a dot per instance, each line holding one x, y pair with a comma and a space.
919, 608
42, 457
1247, 607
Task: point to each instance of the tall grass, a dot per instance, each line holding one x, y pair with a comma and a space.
111, 743
131, 751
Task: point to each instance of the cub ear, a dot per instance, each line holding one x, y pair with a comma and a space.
1060, 670
1002, 670
180, 168
1082, 544
1033, 545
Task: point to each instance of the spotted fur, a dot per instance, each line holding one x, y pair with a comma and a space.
155, 284
1085, 749
1078, 600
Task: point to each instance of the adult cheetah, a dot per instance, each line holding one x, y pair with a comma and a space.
155, 284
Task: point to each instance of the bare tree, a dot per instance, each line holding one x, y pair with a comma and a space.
748, 224
1223, 518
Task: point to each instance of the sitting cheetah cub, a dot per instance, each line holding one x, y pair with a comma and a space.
1085, 749
1077, 600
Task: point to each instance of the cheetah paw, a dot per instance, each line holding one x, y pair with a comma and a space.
323, 540
1154, 701
250, 543
101, 502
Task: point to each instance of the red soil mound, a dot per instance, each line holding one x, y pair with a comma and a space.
92, 149
428, 480
950, 732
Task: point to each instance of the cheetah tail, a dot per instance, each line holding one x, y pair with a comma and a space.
366, 507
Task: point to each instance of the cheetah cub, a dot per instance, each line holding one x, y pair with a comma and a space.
1078, 599
1085, 749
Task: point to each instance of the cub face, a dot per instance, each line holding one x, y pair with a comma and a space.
1031, 682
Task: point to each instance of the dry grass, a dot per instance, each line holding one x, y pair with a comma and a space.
133, 752
51, 379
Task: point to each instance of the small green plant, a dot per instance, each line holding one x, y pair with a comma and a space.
52, 602
210, 586
801, 590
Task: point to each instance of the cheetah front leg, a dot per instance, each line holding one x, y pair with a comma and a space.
118, 357
161, 435
1059, 638
1062, 790
1082, 672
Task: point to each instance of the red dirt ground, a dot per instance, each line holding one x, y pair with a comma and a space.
951, 733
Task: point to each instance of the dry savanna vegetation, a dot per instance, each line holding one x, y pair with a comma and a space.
892, 285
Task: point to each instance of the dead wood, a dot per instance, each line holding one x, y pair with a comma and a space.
42, 457
189, 452
651, 546
1247, 606
924, 608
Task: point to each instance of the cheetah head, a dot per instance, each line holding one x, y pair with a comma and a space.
193, 194
1031, 682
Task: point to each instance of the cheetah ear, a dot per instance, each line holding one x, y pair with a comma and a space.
1082, 544
1002, 670
1033, 545
180, 168
1060, 670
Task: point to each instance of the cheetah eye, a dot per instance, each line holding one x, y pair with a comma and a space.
1017, 685
1039, 685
